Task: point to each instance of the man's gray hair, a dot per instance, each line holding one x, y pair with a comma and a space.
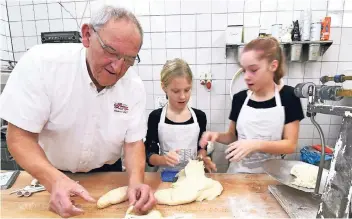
108, 12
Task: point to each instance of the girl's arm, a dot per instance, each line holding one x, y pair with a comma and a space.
152, 141
287, 145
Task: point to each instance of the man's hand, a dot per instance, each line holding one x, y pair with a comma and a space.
209, 165
208, 136
142, 197
60, 202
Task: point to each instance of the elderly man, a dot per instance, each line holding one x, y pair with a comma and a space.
72, 108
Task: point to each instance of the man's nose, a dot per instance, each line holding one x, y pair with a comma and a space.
117, 64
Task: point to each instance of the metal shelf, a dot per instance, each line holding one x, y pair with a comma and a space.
324, 46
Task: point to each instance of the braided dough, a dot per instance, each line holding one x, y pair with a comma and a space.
192, 185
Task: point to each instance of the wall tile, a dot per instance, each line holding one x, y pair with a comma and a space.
235, 6
157, 23
189, 55
203, 22
173, 23
268, 5
188, 22
27, 12
158, 40
188, 39
173, 7
173, 40
56, 25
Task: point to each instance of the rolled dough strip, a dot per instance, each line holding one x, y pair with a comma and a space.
112, 197
175, 196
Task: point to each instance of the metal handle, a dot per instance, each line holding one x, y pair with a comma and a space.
322, 158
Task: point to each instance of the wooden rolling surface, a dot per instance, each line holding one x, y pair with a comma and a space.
252, 189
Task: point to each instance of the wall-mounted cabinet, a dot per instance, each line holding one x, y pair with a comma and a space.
298, 51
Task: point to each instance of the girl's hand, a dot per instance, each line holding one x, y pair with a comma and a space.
240, 149
172, 158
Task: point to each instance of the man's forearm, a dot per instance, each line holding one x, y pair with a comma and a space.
135, 162
30, 156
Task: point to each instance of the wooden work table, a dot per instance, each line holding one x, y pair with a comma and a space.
249, 190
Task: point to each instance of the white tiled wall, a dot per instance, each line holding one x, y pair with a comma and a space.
194, 31
5, 45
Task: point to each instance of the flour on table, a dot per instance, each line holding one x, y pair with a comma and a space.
192, 185
306, 175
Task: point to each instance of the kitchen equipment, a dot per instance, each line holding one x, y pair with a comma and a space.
296, 34
234, 34
315, 31
296, 52
313, 52
61, 37
307, 17
239, 51
8, 178
280, 170
325, 29
276, 31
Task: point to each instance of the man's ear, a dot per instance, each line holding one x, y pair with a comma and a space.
86, 34
274, 65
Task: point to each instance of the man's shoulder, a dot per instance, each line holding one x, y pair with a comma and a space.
132, 81
56, 52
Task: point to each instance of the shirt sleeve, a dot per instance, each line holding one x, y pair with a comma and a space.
237, 102
25, 100
152, 138
137, 126
202, 120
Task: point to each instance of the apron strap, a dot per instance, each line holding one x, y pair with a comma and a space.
249, 94
163, 114
195, 120
277, 96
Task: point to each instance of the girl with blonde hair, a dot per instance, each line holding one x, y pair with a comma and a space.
174, 130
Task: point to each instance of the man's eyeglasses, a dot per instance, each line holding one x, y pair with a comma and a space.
127, 59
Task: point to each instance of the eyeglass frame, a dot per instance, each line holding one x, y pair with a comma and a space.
104, 46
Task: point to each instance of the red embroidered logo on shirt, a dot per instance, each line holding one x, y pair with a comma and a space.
121, 108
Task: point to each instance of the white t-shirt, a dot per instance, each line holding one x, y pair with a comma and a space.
50, 92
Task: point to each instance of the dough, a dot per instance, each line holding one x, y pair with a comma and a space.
192, 185
306, 175
112, 197
176, 196
154, 214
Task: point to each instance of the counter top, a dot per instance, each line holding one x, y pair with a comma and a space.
249, 190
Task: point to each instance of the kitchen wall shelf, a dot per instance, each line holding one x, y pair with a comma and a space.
306, 46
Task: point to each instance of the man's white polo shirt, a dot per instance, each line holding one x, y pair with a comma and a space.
50, 92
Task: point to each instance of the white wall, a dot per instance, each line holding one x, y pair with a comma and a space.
194, 31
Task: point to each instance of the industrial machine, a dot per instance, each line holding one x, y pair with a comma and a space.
331, 197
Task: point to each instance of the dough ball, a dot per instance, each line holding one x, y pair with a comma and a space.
192, 185
306, 175
112, 197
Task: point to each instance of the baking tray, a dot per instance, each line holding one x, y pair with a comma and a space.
280, 170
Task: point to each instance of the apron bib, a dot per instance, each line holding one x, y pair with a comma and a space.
263, 124
183, 137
